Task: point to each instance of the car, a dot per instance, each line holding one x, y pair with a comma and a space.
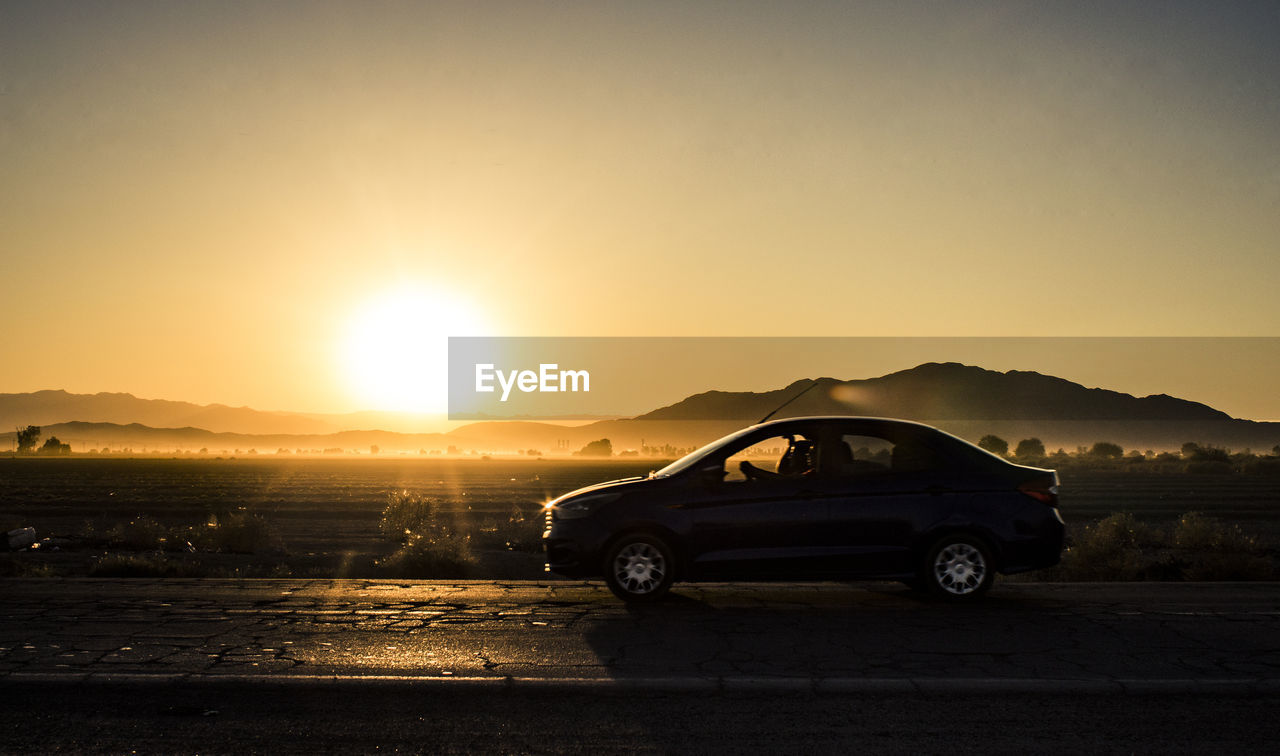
814, 498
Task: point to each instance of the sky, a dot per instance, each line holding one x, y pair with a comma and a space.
290, 205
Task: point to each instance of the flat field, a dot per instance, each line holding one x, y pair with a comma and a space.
324, 513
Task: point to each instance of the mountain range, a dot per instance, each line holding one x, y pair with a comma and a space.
942, 391
50, 407
966, 400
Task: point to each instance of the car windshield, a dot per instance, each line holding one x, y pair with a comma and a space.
692, 458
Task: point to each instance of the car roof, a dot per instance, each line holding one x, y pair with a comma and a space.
844, 418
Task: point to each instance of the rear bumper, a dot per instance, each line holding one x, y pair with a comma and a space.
1035, 552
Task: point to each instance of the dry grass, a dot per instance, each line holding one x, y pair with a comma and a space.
1196, 547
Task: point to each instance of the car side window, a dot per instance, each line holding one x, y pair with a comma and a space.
851, 456
791, 455
860, 456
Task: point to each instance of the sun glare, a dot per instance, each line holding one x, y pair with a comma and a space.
395, 349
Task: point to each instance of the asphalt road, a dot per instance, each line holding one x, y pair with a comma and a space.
296, 665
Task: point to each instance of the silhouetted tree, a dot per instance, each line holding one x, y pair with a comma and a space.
53, 446
1030, 447
601, 448
27, 438
1209, 454
1106, 449
1189, 449
994, 444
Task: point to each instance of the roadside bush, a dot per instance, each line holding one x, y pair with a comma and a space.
1118, 547
422, 557
17, 565
238, 533
142, 533
1263, 466
431, 543
132, 565
409, 514
1207, 549
1209, 467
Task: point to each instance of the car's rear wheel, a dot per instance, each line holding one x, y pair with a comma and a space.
958, 567
639, 568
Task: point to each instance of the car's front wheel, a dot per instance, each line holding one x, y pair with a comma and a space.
639, 568
958, 567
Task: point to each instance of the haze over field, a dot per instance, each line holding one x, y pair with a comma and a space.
966, 400
290, 205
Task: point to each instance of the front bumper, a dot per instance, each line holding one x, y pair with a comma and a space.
572, 547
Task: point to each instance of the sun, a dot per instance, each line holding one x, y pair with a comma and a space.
395, 347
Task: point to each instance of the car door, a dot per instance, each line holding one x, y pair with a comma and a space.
880, 506
768, 526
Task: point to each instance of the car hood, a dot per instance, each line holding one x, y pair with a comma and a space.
619, 484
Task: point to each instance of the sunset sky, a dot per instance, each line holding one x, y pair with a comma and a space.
273, 204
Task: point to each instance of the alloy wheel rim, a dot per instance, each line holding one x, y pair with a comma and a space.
639, 568
959, 569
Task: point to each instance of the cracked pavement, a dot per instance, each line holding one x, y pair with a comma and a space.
1208, 633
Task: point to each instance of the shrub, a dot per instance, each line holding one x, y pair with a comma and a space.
1196, 548
1118, 547
238, 533
1209, 467
1195, 532
1197, 453
17, 565
1263, 466
431, 543
1210, 550
423, 557
409, 514
142, 533
131, 565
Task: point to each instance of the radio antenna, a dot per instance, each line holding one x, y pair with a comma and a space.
789, 401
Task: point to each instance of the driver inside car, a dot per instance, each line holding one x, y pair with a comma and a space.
800, 459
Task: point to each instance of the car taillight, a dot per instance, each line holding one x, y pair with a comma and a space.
1043, 491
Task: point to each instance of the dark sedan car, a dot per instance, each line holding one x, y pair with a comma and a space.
814, 498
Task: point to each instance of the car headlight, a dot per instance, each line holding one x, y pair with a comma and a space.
582, 506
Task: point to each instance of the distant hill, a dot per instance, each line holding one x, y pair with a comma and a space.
941, 391
56, 406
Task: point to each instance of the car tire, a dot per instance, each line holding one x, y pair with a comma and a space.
958, 567
639, 568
